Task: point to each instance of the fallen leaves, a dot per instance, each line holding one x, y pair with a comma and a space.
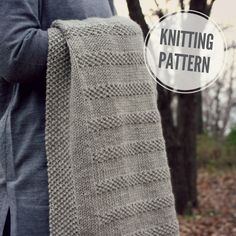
216, 214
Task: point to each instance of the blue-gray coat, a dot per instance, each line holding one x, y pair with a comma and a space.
23, 55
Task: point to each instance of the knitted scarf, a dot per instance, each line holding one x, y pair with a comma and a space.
107, 167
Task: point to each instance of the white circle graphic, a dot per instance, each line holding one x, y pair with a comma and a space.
185, 52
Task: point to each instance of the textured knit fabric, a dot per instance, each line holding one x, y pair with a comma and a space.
23, 56
107, 165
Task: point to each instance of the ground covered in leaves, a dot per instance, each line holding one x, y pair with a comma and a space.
216, 215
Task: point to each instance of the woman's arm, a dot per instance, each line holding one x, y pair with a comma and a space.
23, 45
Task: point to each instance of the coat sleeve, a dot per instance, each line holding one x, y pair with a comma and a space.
113, 9
23, 44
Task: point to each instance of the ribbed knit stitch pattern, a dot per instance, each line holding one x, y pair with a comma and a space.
107, 168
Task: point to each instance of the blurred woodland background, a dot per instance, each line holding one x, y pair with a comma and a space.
199, 128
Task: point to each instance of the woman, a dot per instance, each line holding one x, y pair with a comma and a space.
23, 51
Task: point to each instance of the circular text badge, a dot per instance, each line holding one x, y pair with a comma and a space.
185, 52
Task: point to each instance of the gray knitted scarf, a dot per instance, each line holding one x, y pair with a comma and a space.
107, 167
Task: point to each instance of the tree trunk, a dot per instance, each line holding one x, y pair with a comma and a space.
182, 184
187, 133
136, 14
174, 149
180, 140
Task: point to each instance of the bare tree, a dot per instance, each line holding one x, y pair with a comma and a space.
135, 13
218, 102
181, 137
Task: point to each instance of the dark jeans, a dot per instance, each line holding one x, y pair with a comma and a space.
7, 227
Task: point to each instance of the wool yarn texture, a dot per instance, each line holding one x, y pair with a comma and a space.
108, 173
